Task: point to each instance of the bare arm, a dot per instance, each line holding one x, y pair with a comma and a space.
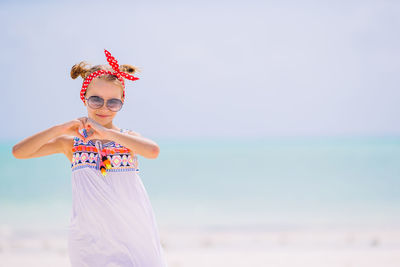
49, 141
28, 146
135, 142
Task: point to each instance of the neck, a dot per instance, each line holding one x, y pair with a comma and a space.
109, 125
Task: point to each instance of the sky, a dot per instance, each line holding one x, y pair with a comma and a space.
209, 68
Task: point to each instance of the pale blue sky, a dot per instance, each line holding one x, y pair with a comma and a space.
281, 68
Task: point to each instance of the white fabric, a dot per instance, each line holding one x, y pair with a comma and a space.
112, 222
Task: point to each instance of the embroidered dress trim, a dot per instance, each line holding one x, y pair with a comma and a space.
87, 155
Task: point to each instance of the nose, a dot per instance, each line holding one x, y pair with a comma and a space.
104, 108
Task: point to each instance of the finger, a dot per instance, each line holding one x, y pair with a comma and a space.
80, 123
83, 119
81, 127
81, 130
79, 134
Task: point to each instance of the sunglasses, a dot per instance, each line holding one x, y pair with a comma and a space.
96, 102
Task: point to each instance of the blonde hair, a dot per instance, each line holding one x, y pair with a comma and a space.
84, 69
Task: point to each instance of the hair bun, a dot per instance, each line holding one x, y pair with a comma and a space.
79, 70
129, 68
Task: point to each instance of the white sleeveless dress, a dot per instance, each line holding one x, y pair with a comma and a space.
112, 222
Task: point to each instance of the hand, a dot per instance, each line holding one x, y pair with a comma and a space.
95, 130
73, 127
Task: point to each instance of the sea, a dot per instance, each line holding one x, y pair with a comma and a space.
271, 183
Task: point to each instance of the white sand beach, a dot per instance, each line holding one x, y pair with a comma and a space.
192, 247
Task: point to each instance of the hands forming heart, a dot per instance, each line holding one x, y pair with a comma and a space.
93, 130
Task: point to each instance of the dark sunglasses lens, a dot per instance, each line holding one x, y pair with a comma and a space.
95, 102
114, 104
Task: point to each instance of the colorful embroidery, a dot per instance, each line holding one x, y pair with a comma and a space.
86, 155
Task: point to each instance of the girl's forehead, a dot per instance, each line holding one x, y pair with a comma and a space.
107, 89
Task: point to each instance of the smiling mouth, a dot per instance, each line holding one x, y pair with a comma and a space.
103, 116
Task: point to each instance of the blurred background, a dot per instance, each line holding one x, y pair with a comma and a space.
277, 123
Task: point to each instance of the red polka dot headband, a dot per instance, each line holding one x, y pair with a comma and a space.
114, 64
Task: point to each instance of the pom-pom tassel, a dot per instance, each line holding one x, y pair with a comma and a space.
106, 162
102, 168
103, 171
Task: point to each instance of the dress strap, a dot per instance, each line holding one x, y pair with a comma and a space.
99, 148
98, 145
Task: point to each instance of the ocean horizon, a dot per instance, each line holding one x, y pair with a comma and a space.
272, 183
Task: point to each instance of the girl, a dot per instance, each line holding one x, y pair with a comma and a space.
112, 222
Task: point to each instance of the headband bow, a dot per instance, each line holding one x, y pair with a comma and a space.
115, 66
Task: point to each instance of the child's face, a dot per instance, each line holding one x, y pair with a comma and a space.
106, 90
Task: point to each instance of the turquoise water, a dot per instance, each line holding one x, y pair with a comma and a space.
271, 182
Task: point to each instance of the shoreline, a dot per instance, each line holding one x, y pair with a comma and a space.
197, 246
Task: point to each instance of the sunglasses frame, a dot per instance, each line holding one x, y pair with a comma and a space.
104, 102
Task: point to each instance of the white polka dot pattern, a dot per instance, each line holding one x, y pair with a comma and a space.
115, 66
